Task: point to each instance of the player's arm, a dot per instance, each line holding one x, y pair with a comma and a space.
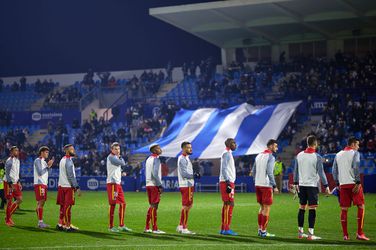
270, 170
70, 174
335, 171
296, 172
155, 174
183, 166
355, 166
39, 167
253, 171
8, 168
116, 160
225, 166
321, 172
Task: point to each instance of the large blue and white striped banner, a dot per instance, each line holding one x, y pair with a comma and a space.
208, 128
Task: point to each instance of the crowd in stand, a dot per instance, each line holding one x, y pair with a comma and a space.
5, 117
21, 86
66, 98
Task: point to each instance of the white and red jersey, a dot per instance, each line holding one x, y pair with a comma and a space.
227, 171
67, 174
346, 166
114, 164
185, 171
40, 171
12, 170
153, 171
309, 169
263, 168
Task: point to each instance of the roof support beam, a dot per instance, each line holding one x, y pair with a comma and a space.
299, 18
253, 31
348, 5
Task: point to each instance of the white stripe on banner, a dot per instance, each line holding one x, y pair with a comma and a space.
228, 129
273, 127
188, 132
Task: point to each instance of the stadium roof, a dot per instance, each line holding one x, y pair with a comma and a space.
239, 23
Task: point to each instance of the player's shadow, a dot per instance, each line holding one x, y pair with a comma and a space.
154, 236
229, 238
35, 229
95, 234
324, 242
214, 238
24, 211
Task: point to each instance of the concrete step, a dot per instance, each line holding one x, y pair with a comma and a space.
37, 136
288, 153
165, 88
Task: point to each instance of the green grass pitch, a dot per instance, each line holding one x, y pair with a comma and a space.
90, 214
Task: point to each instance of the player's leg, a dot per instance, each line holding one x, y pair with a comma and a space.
148, 214
69, 202
228, 206
266, 201
122, 207
183, 191
344, 211
313, 199
155, 199
41, 197
111, 195
154, 217
9, 198
303, 201
259, 220
224, 196
17, 195
358, 200
187, 203
301, 214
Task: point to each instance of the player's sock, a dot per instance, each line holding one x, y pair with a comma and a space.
182, 214
12, 209
259, 219
61, 216
311, 218
111, 215
148, 218
40, 213
154, 219
344, 222
226, 212
67, 215
185, 224
121, 214
7, 213
231, 208
360, 219
311, 231
265, 220
301, 217
223, 217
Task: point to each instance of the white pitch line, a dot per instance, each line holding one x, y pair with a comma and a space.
185, 245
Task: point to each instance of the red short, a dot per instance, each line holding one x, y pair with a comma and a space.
347, 196
187, 196
115, 194
227, 196
40, 192
10, 194
264, 195
153, 194
65, 196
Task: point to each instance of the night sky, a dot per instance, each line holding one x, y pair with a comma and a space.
70, 36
